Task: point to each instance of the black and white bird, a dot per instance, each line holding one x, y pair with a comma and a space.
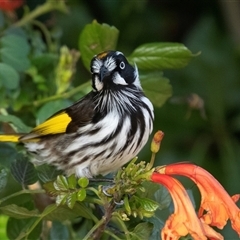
103, 130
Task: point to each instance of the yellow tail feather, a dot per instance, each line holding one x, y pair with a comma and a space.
9, 138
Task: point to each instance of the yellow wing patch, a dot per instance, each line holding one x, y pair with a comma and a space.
9, 138
54, 125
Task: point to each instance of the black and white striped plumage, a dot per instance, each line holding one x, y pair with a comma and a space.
103, 130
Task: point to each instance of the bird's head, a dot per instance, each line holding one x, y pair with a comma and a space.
111, 70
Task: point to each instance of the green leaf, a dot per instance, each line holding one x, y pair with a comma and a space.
9, 77
96, 38
47, 173
61, 199
142, 231
163, 198
8, 154
15, 211
72, 181
158, 56
61, 184
71, 199
83, 210
156, 87
62, 213
44, 60
14, 51
81, 195
83, 182
15, 42
17, 228
3, 178
19, 63
59, 231
23, 171
17, 122
50, 189
146, 203
3, 224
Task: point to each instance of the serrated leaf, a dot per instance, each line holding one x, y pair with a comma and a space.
142, 231
156, 87
96, 38
17, 122
61, 184
83, 182
9, 77
23, 171
49, 187
61, 199
81, 195
15, 211
71, 199
146, 203
3, 178
159, 56
47, 173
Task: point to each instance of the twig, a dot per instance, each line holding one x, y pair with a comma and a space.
42, 9
106, 218
62, 95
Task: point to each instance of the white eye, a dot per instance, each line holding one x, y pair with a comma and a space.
122, 65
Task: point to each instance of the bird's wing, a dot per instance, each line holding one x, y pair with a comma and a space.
54, 125
65, 121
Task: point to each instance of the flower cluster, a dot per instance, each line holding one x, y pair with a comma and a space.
216, 208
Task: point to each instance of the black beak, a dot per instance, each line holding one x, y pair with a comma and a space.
103, 73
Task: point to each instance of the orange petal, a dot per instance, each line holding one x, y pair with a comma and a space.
219, 206
184, 219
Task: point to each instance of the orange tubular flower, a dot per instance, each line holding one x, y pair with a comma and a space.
184, 219
216, 205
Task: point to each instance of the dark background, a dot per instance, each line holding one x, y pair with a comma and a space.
210, 27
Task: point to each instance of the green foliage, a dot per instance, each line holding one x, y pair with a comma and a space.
37, 78
96, 38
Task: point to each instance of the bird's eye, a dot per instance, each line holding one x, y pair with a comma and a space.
122, 65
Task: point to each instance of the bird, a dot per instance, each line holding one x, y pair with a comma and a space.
103, 130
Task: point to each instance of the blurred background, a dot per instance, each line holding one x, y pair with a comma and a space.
201, 121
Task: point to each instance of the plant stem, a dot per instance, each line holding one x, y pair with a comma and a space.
45, 32
48, 6
109, 208
94, 228
62, 95
25, 191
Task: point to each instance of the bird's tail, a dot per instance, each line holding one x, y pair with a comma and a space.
10, 138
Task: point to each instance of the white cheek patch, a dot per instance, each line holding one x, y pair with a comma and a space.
98, 84
117, 79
